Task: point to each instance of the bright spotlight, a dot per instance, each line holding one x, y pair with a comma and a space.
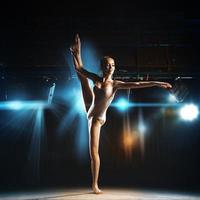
189, 112
172, 98
122, 104
15, 105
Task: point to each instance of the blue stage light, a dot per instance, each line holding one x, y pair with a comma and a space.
122, 104
14, 105
23, 105
79, 104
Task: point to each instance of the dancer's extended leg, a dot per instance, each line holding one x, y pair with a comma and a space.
86, 91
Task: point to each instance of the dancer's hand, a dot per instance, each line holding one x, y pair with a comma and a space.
76, 47
165, 85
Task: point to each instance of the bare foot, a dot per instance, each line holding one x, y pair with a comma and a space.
96, 190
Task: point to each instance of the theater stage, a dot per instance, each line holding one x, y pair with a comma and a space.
109, 194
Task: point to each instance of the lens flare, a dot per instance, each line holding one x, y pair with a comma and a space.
129, 141
23, 105
189, 112
122, 104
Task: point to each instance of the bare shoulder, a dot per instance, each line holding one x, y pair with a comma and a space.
117, 82
98, 83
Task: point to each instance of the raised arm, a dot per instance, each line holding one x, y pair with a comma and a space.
77, 60
83, 72
141, 84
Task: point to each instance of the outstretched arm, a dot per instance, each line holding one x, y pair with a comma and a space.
141, 84
77, 60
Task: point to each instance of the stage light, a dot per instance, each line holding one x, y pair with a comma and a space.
172, 98
141, 127
14, 105
129, 141
189, 112
122, 104
76, 100
22, 105
79, 105
72, 97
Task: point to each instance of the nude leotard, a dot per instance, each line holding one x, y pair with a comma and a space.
102, 98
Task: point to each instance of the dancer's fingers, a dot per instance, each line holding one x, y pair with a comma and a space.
169, 85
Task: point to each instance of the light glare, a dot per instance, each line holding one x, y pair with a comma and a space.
122, 104
22, 105
172, 98
189, 112
141, 127
15, 105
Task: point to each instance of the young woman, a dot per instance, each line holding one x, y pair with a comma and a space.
98, 99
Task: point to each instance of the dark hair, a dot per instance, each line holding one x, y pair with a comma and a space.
103, 61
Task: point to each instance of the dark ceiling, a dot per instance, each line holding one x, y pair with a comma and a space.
160, 40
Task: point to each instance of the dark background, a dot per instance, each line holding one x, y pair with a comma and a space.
162, 42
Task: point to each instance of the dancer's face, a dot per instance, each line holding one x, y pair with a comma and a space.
109, 66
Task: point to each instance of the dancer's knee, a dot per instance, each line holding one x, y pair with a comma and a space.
94, 154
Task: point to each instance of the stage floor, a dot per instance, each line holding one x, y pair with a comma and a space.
109, 194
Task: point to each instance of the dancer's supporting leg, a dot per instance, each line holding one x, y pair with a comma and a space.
94, 135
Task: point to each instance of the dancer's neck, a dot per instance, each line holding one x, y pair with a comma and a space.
107, 78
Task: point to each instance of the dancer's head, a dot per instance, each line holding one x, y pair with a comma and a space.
107, 65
